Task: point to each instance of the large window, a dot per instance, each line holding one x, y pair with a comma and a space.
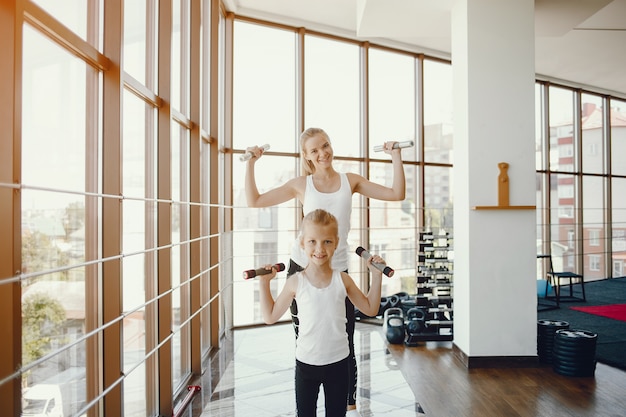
332, 92
109, 163
335, 77
580, 177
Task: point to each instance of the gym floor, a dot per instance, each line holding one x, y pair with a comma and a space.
252, 374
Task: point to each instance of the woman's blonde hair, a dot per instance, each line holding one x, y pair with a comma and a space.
307, 167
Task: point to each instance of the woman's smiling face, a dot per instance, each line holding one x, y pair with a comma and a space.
319, 151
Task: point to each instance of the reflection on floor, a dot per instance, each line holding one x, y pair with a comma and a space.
259, 380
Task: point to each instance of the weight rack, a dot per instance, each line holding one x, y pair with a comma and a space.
434, 286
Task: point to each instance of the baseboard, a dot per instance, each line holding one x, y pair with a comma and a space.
495, 361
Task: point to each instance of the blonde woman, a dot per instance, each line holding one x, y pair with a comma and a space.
321, 186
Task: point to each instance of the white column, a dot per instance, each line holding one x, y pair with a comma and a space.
495, 250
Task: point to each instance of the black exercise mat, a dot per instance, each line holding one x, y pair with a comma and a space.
611, 343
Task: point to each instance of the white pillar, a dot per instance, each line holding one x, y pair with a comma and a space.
494, 121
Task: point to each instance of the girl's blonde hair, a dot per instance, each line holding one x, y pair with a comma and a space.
322, 218
307, 167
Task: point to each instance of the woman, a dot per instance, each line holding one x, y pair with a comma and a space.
321, 186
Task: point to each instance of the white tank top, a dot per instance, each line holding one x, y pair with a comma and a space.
322, 337
339, 204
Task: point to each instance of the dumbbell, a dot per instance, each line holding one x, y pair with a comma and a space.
251, 273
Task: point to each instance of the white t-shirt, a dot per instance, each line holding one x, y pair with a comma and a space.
339, 204
322, 337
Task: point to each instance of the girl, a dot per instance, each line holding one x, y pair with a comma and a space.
322, 351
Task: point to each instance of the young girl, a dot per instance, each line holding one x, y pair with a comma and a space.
322, 351
321, 186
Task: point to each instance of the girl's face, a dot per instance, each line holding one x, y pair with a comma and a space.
318, 150
319, 242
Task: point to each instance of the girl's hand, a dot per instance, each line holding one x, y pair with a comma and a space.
375, 259
268, 277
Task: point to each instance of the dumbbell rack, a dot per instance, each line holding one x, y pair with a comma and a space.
434, 287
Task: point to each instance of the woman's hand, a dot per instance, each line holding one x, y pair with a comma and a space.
256, 152
388, 147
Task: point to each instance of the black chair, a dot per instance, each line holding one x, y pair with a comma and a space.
572, 278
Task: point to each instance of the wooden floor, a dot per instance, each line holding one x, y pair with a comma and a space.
443, 386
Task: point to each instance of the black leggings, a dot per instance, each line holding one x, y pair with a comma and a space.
350, 324
334, 378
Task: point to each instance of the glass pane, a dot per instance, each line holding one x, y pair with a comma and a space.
180, 56
593, 137
618, 137
438, 127
619, 227
261, 235
205, 282
593, 228
135, 404
355, 267
331, 89
57, 390
392, 101
563, 222
438, 198
539, 136
135, 43
264, 94
71, 13
561, 129
205, 73
541, 215
53, 224
138, 267
392, 232
54, 117
179, 162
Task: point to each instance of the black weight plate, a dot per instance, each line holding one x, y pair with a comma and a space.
574, 355
574, 350
573, 368
580, 362
575, 334
570, 345
569, 367
552, 324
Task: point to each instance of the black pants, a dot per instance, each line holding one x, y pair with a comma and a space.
350, 324
334, 378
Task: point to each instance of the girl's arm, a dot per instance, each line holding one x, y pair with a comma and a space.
369, 189
368, 304
272, 310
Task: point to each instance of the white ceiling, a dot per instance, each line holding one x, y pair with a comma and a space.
580, 42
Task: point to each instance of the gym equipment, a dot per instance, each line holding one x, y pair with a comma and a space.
393, 325
406, 144
246, 156
434, 287
415, 324
574, 352
381, 267
251, 273
545, 338
384, 305
394, 301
